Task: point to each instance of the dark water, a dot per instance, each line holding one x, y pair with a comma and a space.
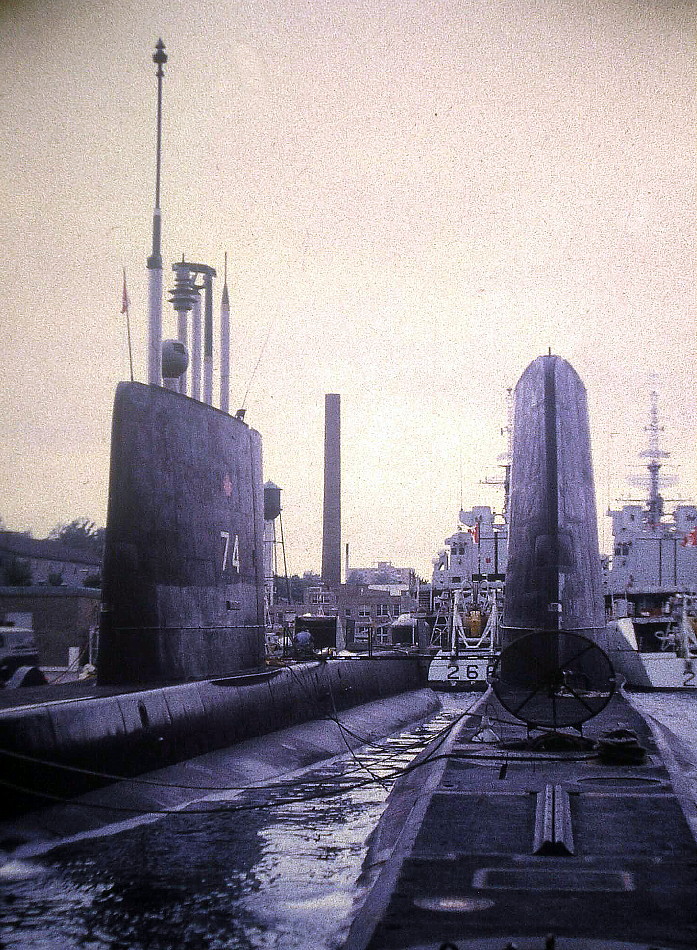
263, 870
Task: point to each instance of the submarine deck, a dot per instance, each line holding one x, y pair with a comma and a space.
89, 689
487, 848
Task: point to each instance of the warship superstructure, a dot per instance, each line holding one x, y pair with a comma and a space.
650, 581
654, 552
467, 589
467, 585
475, 554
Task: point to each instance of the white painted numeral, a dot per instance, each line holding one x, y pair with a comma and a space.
235, 559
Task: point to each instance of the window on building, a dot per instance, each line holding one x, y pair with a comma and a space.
364, 611
362, 631
383, 610
382, 634
347, 612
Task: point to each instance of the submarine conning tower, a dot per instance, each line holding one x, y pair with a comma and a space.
553, 578
183, 583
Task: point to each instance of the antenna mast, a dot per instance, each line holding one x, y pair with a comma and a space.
225, 346
154, 263
654, 455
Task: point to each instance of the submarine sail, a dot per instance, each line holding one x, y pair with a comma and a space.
183, 574
552, 672
553, 578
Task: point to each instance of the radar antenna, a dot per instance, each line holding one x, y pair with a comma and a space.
553, 679
654, 454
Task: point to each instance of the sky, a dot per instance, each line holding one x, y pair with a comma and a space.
417, 199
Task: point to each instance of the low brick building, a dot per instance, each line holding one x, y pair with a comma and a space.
366, 613
61, 618
45, 561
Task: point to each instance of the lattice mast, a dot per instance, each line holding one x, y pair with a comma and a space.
654, 454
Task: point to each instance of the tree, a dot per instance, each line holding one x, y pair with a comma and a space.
82, 534
17, 572
298, 586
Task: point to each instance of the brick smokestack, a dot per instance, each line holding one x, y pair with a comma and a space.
331, 533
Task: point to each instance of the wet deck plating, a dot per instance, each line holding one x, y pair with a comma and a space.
484, 848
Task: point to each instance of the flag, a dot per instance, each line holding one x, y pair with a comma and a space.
125, 302
690, 540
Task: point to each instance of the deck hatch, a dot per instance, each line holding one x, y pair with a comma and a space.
552, 879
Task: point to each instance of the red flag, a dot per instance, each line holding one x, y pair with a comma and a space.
690, 540
125, 302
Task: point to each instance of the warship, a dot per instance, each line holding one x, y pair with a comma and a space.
467, 588
651, 582
548, 818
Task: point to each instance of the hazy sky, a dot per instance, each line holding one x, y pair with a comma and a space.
417, 198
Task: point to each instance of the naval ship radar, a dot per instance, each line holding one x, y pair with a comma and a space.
554, 679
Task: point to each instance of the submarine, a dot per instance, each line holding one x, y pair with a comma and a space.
549, 818
181, 655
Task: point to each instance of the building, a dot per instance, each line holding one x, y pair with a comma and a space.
64, 620
42, 561
364, 614
384, 573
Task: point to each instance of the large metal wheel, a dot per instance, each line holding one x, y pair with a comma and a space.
553, 679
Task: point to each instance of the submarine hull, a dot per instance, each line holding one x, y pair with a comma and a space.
566, 840
183, 573
553, 577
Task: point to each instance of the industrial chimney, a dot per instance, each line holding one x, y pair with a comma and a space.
331, 533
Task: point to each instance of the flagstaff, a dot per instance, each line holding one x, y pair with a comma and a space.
125, 304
